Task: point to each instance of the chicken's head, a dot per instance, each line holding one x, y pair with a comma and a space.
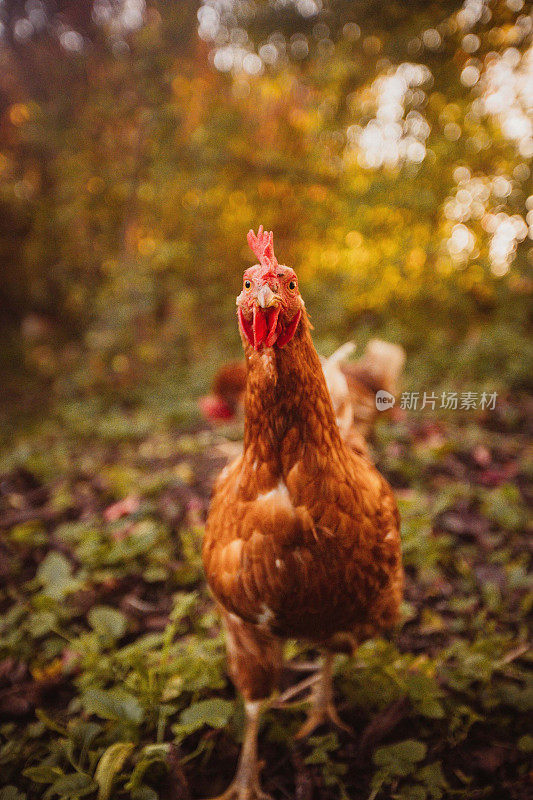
270, 306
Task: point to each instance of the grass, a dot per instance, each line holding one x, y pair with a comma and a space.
112, 668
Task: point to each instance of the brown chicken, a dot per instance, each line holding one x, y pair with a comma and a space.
302, 537
227, 393
352, 386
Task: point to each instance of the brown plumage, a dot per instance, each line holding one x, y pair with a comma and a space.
302, 538
352, 385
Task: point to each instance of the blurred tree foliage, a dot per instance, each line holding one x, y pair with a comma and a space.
139, 143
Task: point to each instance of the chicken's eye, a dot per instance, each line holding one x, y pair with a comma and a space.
292, 285
247, 284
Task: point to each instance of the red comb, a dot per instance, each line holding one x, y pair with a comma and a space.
263, 246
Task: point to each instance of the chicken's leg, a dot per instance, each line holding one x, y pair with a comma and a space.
254, 660
322, 706
245, 785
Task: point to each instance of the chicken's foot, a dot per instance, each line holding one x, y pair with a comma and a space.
245, 785
293, 691
322, 706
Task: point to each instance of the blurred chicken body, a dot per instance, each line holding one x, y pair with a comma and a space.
302, 537
227, 393
378, 369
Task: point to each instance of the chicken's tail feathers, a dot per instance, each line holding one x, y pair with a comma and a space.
379, 367
386, 361
342, 352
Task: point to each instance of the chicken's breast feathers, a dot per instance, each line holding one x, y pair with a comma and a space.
308, 553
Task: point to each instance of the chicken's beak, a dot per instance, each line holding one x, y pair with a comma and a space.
266, 311
266, 298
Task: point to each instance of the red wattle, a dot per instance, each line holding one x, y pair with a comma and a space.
286, 335
246, 327
266, 329
260, 327
264, 325
272, 323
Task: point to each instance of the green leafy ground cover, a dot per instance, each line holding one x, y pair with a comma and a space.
112, 668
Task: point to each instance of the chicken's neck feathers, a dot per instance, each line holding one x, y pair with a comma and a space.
287, 404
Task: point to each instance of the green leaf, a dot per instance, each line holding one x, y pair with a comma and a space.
83, 733
50, 723
42, 774
525, 743
11, 793
151, 754
322, 746
410, 750
115, 704
54, 569
183, 604
72, 786
29, 533
433, 779
144, 793
412, 792
107, 621
398, 759
55, 575
429, 707
109, 766
41, 622
215, 712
